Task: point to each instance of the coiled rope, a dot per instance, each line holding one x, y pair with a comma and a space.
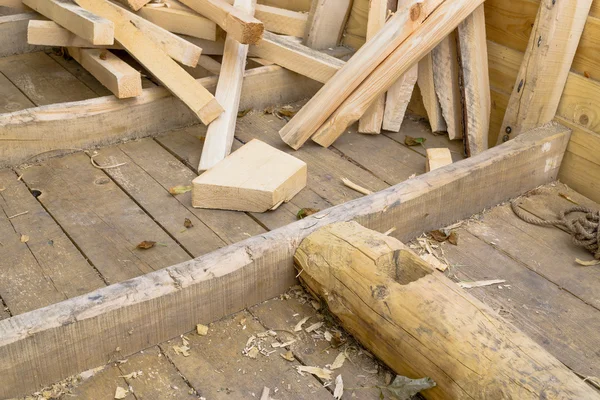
583, 229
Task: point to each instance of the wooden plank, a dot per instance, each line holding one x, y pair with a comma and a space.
180, 21
43, 80
239, 25
219, 136
15, 5
372, 119
93, 28
430, 99
179, 82
279, 20
325, 24
545, 67
397, 99
475, 81
80, 73
135, 5
297, 57
49, 33
264, 178
302, 126
445, 77
122, 80
60, 128
165, 303
437, 26
13, 34
11, 98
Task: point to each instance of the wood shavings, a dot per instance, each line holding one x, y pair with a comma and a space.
24, 238
253, 352
356, 187
265, 393
96, 165
434, 262
469, 285
202, 330
298, 326
132, 375
328, 336
285, 344
587, 263
322, 373
314, 327
184, 349
18, 215
338, 362
339, 388
121, 393
288, 355
568, 198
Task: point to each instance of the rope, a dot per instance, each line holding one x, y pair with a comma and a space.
584, 229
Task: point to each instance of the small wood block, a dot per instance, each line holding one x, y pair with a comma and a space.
255, 178
437, 158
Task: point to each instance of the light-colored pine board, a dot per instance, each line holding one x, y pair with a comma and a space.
93, 28
372, 120
166, 303
437, 158
43, 80
135, 5
114, 73
297, 57
304, 124
475, 81
11, 98
543, 73
428, 95
180, 21
13, 34
49, 33
325, 23
397, 99
578, 102
279, 20
179, 82
219, 136
239, 25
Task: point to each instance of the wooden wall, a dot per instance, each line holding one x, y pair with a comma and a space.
509, 24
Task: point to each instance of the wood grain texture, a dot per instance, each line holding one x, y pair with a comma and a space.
13, 34
397, 99
431, 103
135, 5
279, 20
93, 28
165, 303
49, 33
185, 22
437, 158
325, 23
543, 73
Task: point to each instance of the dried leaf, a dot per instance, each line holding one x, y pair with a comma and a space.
322, 373
439, 235
339, 361
202, 330
288, 355
121, 393
305, 212
146, 244
269, 110
103, 55
253, 352
243, 113
187, 223
587, 263
314, 327
337, 340
339, 387
404, 388
180, 189
412, 141
469, 285
298, 326
24, 238
453, 238
568, 198
328, 336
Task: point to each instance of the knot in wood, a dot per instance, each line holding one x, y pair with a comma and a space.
380, 292
415, 12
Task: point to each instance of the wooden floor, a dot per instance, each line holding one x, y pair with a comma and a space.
82, 225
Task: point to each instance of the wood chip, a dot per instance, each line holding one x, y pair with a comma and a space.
265, 394
305, 212
587, 263
338, 362
356, 187
183, 350
187, 223
322, 373
328, 336
339, 387
434, 262
202, 330
298, 326
24, 238
288, 355
132, 375
314, 327
121, 393
175, 190
469, 285
568, 198
253, 352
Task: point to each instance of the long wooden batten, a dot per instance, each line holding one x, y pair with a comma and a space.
51, 343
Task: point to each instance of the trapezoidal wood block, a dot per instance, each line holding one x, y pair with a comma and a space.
255, 178
422, 324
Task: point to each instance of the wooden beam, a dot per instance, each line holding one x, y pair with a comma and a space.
397, 99
219, 136
447, 87
115, 74
302, 126
545, 67
372, 120
93, 28
297, 57
325, 24
180, 21
46, 345
440, 23
431, 103
42, 132
13, 34
475, 81
279, 20
239, 25
156, 61
135, 5
426, 325
49, 33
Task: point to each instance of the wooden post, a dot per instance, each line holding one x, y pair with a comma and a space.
545, 67
219, 136
430, 99
326, 21
422, 324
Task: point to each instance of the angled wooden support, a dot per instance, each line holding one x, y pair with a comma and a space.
135, 5
219, 136
397, 99
185, 22
93, 28
372, 120
440, 23
304, 124
282, 21
49, 344
430, 99
115, 74
326, 21
13, 34
545, 67
239, 25
196, 97
297, 57
475, 80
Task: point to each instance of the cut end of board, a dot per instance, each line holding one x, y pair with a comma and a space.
210, 112
243, 28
